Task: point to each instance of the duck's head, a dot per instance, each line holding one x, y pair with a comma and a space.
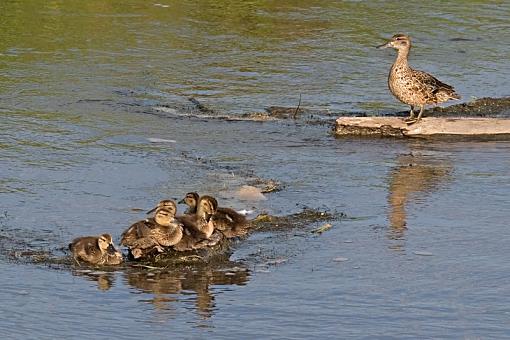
164, 216
105, 244
398, 42
207, 206
191, 199
167, 204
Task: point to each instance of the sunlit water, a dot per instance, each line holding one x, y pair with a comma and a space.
423, 251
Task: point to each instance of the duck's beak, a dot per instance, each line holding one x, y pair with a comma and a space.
181, 201
385, 45
151, 211
111, 249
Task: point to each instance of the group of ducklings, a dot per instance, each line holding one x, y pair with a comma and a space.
202, 225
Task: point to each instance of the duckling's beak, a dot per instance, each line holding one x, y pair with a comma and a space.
151, 211
111, 249
386, 45
181, 201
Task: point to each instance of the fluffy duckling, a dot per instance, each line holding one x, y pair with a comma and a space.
190, 200
199, 229
228, 221
96, 250
167, 204
153, 234
413, 87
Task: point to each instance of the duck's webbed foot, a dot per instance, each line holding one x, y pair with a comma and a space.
410, 119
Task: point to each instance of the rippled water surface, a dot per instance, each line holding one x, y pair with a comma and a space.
96, 126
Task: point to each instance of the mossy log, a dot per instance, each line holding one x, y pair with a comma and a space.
426, 127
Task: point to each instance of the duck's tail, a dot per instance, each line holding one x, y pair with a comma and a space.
446, 93
454, 95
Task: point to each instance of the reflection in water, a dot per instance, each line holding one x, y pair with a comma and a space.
176, 284
167, 283
105, 280
414, 176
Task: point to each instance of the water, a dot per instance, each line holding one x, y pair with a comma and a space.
425, 241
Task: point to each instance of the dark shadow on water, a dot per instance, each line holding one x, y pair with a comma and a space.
411, 182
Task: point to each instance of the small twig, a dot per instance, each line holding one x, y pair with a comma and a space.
297, 108
144, 266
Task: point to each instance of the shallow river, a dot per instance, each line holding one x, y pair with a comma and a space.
96, 125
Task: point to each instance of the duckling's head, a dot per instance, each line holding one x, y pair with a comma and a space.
398, 42
167, 204
207, 205
105, 244
164, 216
191, 199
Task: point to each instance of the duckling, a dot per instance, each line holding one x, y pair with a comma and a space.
190, 200
167, 204
413, 87
199, 229
228, 221
96, 250
153, 234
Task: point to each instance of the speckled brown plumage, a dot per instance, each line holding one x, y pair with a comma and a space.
413, 87
198, 227
228, 221
153, 234
96, 250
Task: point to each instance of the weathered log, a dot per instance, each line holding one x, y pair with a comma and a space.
427, 127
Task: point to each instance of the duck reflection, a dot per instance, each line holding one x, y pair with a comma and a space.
104, 280
414, 176
185, 283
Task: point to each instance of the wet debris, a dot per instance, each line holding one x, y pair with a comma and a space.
266, 185
480, 107
423, 253
302, 219
341, 259
201, 107
322, 228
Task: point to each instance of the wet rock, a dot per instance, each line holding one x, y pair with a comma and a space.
250, 193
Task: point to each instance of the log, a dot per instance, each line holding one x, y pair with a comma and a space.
426, 127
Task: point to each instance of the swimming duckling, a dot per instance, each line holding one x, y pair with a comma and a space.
96, 250
153, 234
199, 229
413, 87
228, 221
